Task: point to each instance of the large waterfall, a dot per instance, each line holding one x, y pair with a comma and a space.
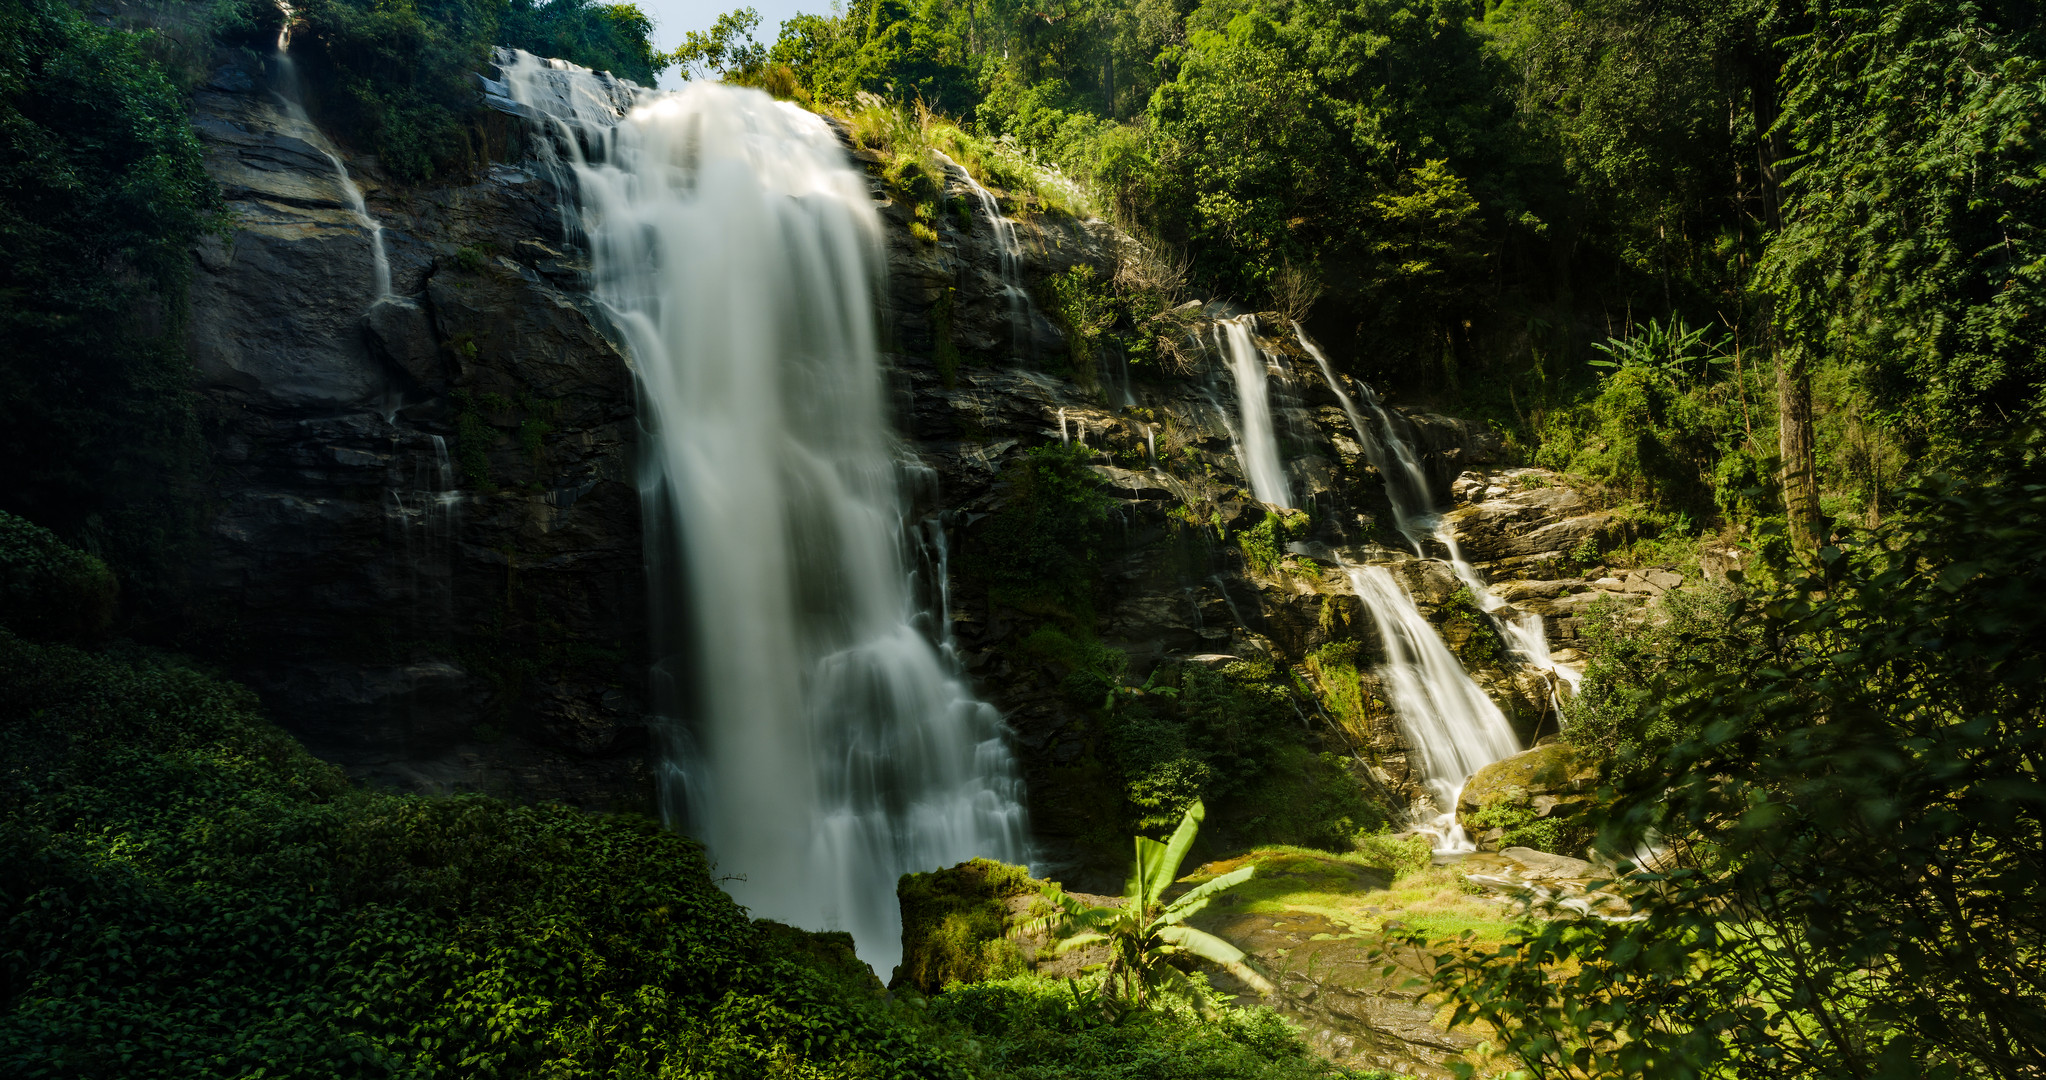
822, 743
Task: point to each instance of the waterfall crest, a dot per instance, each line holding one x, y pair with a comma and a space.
822, 743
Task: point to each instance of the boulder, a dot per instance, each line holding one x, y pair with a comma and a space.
1554, 770
957, 924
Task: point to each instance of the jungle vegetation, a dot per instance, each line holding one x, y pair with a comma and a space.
1771, 267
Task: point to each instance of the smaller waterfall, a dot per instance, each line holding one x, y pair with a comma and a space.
1405, 485
1257, 444
1008, 250
291, 97
428, 514
1064, 438
1454, 727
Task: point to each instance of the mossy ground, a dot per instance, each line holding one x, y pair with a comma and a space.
1355, 892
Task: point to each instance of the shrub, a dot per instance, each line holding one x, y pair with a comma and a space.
49, 590
101, 197
190, 894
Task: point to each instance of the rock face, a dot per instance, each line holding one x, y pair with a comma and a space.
424, 534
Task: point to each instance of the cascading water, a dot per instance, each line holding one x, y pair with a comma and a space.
1405, 485
290, 96
1008, 252
823, 743
1455, 728
1257, 441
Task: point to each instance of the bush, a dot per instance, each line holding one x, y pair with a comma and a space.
188, 893
49, 590
1035, 1029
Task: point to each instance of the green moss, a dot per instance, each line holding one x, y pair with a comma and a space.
944, 352
1039, 551
1514, 813
473, 439
955, 924
1477, 639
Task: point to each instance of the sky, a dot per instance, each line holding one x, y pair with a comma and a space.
673, 19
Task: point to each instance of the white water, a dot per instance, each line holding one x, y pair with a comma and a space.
289, 95
1405, 485
1008, 251
824, 744
1455, 728
1257, 443
1452, 740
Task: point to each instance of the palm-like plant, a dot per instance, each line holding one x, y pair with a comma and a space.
1146, 932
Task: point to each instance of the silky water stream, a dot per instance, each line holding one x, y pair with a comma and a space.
822, 742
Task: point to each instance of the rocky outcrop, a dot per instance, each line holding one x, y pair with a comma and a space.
1552, 780
423, 536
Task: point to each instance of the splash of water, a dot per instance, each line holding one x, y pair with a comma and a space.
822, 743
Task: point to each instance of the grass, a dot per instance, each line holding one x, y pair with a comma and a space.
914, 137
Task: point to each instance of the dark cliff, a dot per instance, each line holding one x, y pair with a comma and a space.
423, 542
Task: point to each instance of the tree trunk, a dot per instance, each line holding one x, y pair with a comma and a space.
1796, 441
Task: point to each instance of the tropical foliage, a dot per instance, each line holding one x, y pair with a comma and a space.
1848, 825
1146, 932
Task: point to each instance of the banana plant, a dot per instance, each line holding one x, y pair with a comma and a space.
1145, 932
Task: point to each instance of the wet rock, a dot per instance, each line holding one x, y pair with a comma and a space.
394, 571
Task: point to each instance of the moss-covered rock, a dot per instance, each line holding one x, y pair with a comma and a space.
1532, 798
956, 922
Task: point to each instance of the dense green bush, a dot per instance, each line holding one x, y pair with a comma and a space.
49, 589
188, 893
1036, 1029
101, 197
1840, 777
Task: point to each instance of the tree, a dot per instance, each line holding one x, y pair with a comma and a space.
1849, 794
1145, 932
727, 48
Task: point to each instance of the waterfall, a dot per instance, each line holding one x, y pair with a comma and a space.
1008, 251
291, 97
822, 743
1405, 485
1454, 727
1257, 443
